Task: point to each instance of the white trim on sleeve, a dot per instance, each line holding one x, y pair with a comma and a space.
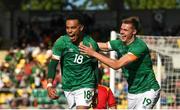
49, 85
109, 46
130, 53
56, 57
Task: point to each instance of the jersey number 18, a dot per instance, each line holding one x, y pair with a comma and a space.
78, 59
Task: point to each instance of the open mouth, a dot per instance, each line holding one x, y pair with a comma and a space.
73, 38
123, 37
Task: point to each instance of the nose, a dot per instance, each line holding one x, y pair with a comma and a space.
121, 32
69, 31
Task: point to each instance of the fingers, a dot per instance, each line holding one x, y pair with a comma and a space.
52, 93
55, 97
83, 49
81, 43
86, 50
90, 45
82, 46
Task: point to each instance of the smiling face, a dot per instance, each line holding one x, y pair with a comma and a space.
127, 32
73, 29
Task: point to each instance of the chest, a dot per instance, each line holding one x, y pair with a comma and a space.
122, 50
71, 54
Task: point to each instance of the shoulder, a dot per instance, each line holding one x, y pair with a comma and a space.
88, 38
140, 42
138, 48
61, 42
116, 42
102, 87
62, 39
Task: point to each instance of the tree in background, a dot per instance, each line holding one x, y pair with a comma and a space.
151, 4
44, 5
50, 5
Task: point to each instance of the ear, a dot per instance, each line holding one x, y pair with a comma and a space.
135, 31
81, 27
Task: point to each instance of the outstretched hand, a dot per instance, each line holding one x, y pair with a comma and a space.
87, 50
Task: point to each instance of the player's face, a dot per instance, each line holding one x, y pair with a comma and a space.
73, 29
127, 32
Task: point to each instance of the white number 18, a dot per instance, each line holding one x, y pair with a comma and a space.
78, 59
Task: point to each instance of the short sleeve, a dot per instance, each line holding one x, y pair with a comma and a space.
138, 50
114, 44
95, 45
58, 48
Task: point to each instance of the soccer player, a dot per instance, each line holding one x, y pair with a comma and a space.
104, 98
78, 70
135, 61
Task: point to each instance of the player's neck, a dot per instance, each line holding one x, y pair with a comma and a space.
79, 40
130, 40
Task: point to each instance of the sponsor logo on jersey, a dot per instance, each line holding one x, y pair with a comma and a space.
70, 50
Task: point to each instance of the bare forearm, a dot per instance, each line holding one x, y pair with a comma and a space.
103, 46
115, 64
110, 62
89, 51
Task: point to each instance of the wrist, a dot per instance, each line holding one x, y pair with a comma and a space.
49, 85
94, 54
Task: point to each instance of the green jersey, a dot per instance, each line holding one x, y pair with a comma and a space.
140, 75
78, 70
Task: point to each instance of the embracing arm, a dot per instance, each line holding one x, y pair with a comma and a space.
103, 46
115, 64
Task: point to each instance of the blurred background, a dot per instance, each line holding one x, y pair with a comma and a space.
28, 28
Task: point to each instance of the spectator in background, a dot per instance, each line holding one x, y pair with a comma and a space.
135, 61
